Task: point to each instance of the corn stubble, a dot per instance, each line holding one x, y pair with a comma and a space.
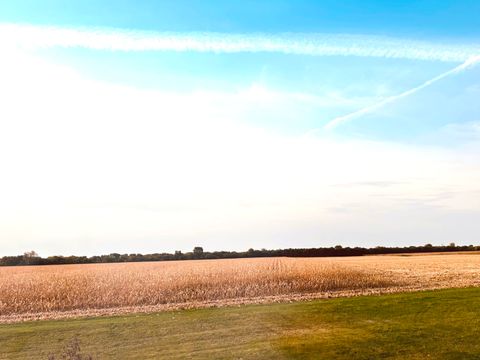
37, 292
68, 287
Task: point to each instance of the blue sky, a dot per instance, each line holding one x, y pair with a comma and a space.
160, 125
441, 18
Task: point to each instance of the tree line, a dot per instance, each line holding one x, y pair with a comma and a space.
32, 258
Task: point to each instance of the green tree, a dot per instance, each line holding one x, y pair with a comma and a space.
197, 251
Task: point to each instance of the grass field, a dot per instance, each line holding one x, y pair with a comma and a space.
48, 292
442, 324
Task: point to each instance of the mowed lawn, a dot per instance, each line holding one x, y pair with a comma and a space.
442, 324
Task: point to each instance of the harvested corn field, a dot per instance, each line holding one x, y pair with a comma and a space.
79, 290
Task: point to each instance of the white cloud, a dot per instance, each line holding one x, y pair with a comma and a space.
315, 44
90, 167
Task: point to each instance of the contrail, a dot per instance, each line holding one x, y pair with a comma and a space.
369, 109
314, 44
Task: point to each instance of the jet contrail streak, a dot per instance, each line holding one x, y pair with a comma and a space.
372, 108
314, 44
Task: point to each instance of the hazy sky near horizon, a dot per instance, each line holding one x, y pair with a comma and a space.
150, 126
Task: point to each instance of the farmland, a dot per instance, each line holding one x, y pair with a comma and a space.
45, 292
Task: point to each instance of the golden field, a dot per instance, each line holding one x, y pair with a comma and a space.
95, 289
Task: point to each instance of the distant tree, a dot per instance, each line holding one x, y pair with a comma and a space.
197, 251
30, 254
30, 258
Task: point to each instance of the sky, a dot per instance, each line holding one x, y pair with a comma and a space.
151, 126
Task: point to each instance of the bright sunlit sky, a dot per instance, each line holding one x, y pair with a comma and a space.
150, 126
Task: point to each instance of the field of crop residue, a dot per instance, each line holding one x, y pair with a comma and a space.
40, 292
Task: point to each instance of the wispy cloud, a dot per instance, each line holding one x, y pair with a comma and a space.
315, 44
372, 108
145, 163
378, 183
